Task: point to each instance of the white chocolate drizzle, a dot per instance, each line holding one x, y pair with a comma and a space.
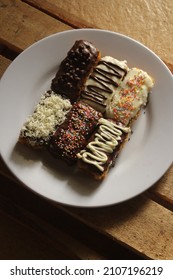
106, 139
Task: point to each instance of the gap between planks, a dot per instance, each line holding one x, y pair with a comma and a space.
55, 224
59, 14
26, 26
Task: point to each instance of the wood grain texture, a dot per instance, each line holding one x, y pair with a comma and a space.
19, 241
23, 25
63, 232
53, 9
149, 22
4, 63
162, 191
135, 224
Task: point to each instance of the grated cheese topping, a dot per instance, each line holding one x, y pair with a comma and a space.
48, 114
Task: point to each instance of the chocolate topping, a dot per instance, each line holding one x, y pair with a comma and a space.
73, 134
103, 78
74, 69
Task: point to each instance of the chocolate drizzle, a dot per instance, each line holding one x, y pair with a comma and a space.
104, 80
119, 72
97, 97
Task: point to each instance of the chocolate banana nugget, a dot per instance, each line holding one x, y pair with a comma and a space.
50, 112
130, 97
103, 82
73, 134
75, 69
103, 147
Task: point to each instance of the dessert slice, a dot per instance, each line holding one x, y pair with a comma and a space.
75, 69
73, 134
103, 147
131, 95
50, 112
103, 82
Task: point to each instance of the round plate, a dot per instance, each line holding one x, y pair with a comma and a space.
143, 160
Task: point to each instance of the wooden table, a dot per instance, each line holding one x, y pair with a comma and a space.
34, 228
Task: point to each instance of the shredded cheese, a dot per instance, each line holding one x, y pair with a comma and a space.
49, 112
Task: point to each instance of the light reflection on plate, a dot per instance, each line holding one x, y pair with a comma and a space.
143, 160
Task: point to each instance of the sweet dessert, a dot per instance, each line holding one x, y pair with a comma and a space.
131, 95
86, 116
75, 69
50, 112
103, 82
103, 147
72, 135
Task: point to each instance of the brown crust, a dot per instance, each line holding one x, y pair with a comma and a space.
37, 144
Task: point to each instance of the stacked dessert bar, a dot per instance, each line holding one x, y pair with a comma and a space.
86, 116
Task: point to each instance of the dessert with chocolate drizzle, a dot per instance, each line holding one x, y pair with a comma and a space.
103, 82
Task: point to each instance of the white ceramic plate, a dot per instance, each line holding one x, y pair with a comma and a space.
144, 159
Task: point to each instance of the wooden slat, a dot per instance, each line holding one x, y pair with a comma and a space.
53, 9
135, 224
4, 63
18, 241
70, 235
125, 18
61, 241
25, 25
162, 191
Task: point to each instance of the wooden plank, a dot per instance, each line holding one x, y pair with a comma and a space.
120, 16
162, 191
18, 241
61, 241
22, 25
4, 63
135, 224
72, 236
54, 10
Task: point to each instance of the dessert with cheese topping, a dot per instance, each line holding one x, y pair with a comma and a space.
50, 112
72, 135
103, 147
75, 69
131, 95
103, 81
